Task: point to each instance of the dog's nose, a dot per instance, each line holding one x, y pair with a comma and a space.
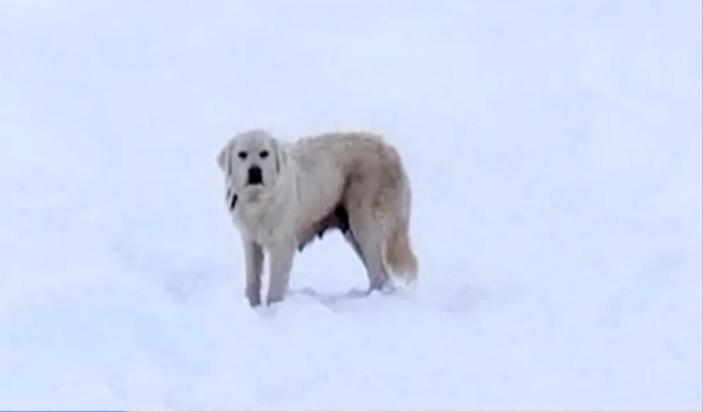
255, 176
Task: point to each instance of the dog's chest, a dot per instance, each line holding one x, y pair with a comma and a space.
264, 225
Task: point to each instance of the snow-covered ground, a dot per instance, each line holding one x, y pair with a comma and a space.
555, 152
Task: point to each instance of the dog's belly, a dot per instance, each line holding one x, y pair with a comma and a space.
337, 219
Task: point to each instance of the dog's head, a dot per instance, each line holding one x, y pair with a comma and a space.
252, 162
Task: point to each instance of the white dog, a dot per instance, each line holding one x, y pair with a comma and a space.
282, 195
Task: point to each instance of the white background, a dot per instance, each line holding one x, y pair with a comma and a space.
554, 149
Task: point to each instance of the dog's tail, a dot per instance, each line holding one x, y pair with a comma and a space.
399, 254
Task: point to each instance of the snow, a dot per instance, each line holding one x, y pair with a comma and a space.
555, 154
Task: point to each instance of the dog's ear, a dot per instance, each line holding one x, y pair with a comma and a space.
222, 158
281, 156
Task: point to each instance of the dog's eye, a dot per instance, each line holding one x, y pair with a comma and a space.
264, 154
242, 155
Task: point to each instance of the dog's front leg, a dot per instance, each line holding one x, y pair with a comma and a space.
254, 256
281, 264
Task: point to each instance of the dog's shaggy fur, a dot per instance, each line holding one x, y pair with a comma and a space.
282, 195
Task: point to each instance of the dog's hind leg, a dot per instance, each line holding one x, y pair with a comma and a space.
341, 219
367, 240
349, 237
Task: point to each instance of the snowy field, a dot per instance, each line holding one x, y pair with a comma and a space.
555, 153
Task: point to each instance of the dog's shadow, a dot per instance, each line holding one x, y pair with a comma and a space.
332, 299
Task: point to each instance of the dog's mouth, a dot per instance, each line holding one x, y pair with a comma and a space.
254, 188
252, 193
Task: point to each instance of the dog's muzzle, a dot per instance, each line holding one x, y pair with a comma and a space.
255, 176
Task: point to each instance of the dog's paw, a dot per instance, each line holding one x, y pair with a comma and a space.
266, 312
